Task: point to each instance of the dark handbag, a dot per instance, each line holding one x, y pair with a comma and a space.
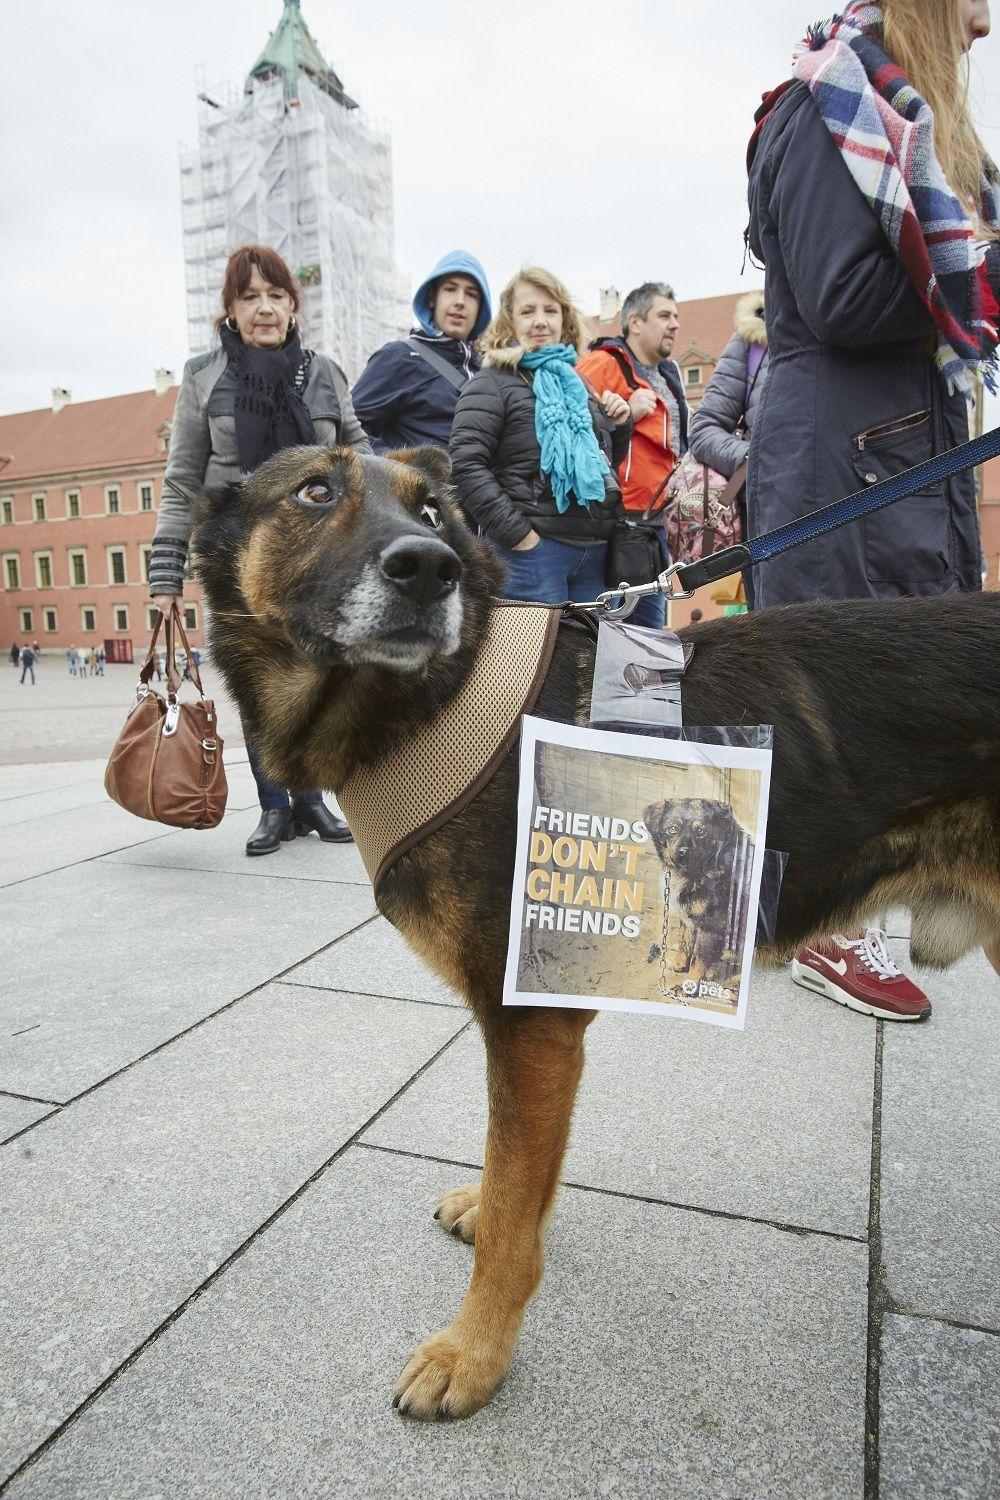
635, 546
167, 762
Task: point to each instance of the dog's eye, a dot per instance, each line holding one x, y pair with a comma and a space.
316, 492
431, 516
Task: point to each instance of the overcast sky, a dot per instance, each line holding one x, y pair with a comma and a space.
605, 140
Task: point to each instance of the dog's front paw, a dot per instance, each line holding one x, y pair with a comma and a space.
452, 1374
458, 1211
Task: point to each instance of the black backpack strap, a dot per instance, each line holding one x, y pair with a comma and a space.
438, 363
621, 359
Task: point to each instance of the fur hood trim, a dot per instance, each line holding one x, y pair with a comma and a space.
504, 359
750, 323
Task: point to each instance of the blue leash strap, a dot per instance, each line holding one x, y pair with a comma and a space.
907, 482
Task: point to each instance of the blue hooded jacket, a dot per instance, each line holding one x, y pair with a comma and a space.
400, 400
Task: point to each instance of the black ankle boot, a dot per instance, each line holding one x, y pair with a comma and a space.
315, 817
276, 827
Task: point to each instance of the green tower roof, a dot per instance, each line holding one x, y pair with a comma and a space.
290, 50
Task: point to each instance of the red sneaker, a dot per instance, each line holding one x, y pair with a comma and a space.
858, 972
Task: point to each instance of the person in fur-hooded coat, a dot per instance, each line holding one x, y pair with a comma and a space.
720, 428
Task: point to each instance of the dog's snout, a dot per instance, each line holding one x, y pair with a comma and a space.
421, 567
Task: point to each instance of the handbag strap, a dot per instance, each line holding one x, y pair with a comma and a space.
437, 362
173, 681
146, 670
734, 485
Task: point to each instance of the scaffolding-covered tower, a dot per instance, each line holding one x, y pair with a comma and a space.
292, 162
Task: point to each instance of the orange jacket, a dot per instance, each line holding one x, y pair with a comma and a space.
654, 450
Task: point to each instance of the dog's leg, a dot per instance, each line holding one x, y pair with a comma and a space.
458, 1212
535, 1059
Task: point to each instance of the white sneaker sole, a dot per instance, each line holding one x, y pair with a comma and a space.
810, 980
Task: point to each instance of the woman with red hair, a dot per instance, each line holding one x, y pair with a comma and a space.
241, 403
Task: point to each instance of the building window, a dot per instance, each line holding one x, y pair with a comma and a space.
692, 375
78, 569
146, 553
73, 504
38, 504
145, 497
12, 571
43, 569
121, 616
190, 617
49, 621
7, 512
27, 620
88, 619
116, 565
113, 500
151, 616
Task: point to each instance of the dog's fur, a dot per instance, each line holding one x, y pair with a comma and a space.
885, 791
702, 848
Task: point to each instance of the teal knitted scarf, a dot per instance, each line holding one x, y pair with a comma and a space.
571, 456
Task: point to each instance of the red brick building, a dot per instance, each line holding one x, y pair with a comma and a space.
80, 485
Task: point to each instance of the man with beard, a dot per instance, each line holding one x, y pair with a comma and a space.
639, 367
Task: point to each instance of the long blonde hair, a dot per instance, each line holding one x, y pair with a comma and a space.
926, 38
500, 332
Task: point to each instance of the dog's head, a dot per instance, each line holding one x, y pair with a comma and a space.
690, 834
359, 561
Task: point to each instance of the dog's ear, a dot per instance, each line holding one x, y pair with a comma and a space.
655, 818
723, 823
432, 462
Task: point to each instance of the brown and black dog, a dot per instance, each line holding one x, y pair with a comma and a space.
705, 854
348, 600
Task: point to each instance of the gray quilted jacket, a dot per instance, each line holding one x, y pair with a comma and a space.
721, 426
203, 448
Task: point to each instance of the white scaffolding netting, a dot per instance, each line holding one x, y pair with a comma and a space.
313, 180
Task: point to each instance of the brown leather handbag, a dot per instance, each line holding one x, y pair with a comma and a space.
167, 763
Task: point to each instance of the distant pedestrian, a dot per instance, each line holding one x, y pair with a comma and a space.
71, 660
639, 368
92, 662
15, 652
407, 391
27, 662
196, 656
101, 655
161, 664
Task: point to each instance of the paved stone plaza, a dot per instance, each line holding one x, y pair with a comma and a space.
230, 1099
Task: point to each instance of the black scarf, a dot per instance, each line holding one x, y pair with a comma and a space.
269, 410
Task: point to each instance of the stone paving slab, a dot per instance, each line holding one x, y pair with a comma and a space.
667, 1353
110, 964
120, 1207
940, 1165
774, 1123
15, 1114
222, 849
375, 961
22, 780
83, 833
940, 1393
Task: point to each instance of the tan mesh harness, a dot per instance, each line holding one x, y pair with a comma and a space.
393, 805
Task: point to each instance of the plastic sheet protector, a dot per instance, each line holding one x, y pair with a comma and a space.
637, 874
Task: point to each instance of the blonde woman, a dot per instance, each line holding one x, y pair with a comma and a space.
876, 213
534, 450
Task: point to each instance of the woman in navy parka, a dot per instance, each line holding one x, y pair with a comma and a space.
853, 392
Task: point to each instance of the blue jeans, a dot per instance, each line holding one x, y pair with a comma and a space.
269, 793
554, 572
29, 667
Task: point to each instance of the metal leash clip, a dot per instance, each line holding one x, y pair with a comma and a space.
630, 594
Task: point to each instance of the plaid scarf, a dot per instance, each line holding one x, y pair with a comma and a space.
885, 134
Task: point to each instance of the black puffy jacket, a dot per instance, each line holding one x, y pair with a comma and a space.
496, 461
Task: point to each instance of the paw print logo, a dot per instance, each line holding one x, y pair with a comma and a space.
690, 987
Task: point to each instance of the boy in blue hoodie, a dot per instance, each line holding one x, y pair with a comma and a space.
407, 392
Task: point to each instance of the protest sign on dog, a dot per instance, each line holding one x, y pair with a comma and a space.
637, 873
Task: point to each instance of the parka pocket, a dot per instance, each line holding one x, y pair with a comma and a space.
906, 544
